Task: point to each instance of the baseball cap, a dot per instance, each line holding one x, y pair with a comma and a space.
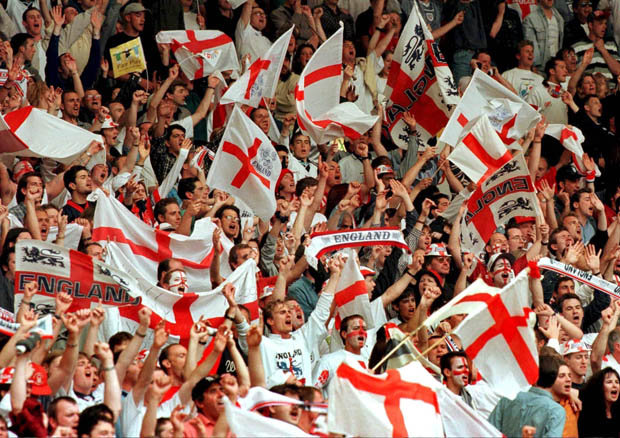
383, 169
574, 346
500, 255
203, 385
598, 15
567, 172
437, 250
133, 7
38, 380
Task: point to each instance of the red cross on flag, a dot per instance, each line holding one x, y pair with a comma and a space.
420, 81
201, 52
144, 247
246, 165
480, 152
523, 7
506, 193
319, 113
351, 295
509, 115
571, 138
500, 339
262, 77
31, 132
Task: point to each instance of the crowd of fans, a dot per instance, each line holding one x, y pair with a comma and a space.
562, 58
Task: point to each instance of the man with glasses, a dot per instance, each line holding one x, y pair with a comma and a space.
91, 104
249, 36
577, 29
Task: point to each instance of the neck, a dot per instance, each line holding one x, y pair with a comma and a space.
78, 198
593, 118
82, 389
545, 389
575, 379
454, 388
36, 37
283, 335
67, 118
185, 8
548, 12
131, 31
354, 350
226, 12
524, 67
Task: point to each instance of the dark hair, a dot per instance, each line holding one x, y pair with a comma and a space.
562, 279
284, 388
233, 254
11, 237
70, 176
51, 409
576, 197
567, 297
548, 367
380, 161
160, 207
593, 402
303, 183
118, 338
91, 416
19, 40
296, 65
176, 84
550, 65
220, 211
4, 258
164, 356
255, 110
203, 384
268, 310
23, 182
344, 325
446, 359
335, 195
588, 98
30, 8
524, 43
171, 128
164, 266
186, 185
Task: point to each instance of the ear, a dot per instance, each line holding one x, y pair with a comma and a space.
72, 186
166, 363
269, 322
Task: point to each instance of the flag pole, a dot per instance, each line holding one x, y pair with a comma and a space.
442, 339
400, 344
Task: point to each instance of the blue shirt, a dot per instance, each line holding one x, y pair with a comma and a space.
532, 408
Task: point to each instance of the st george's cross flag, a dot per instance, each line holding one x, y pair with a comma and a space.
420, 81
261, 78
500, 339
571, 138
351, 296
509, 115
31, 132
480, 152
319, 113
246, 165
201, 52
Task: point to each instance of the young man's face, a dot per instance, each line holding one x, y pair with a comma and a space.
459, 372
33, 23
573, 311
356, 334
281, 320
562, 385
578, 363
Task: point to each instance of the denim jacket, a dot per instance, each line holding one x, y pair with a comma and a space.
535, 29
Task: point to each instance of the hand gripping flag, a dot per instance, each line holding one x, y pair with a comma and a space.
246, 165
509, 115
500, 339
319, 113
201, 52
571, 138
31, 132
507, 193
480, 152
420, 81
261, 79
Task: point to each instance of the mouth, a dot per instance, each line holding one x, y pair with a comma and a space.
614, 394
575, 319
294, 414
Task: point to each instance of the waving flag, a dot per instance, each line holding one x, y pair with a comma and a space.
201, 52
500, 339
507, 193
509, 115
246, 165
351, 295
571, 138
144, 247
481, 152
31, 132
420, 81
252, 424
262, 77
319, 113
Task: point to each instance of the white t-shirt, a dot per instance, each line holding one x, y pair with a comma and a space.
326, 368
523, 81
131, 416
250, 40
94, 398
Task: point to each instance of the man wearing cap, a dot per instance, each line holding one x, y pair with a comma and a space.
438, 260
568, 181
132, 19
576, 354
605, 59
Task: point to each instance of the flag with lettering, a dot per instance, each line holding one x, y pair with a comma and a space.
246, 165
128, 58
420, 81
509, 115
31, 132
480, 152
506, 193
500, 339
201, 52
261, 78
320, 114
144, 247
571, 138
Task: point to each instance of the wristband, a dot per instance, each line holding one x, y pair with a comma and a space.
110, 368
140, 334
591, 176
597, 274
283, 219
202, 343
27, 303
408, 272
545, 243
71, 345
534, 270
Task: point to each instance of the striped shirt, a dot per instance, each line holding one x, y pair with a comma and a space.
598, 64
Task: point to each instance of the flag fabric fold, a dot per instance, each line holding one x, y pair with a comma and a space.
420, 81
261, 78
319, 113
351, 296
246, 165
571, 138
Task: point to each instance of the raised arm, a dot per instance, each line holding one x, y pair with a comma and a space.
112, 386
129, 353
609, 317
146, 373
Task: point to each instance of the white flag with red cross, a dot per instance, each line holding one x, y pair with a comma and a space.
420, 81
31, 132
144, 247
56, 269
319, 113
571, 138
262, 76
523, 7
506, 193
500, 339
201, 52
509, 115
246, 165
480, 152
351, 296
